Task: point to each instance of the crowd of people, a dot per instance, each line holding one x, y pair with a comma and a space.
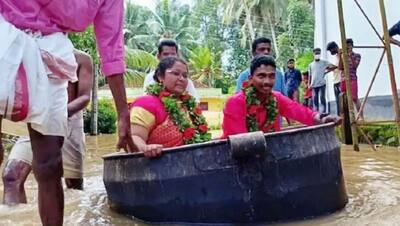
45, 82
315, 78
313, 81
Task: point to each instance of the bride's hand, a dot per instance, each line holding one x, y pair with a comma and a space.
152, 150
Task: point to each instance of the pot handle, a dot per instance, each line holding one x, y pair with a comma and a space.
247, 144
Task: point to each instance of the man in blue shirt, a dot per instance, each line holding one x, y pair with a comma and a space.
395, 30
262, 46
292, 80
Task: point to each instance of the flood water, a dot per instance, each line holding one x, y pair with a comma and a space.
372, 182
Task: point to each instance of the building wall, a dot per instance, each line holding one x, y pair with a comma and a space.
214, 103
357, 27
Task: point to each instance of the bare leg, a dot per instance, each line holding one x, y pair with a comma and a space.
47, 167
74, 183
14, 177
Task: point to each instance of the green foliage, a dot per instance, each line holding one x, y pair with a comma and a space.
204, 67
86, 42
135, 30
381, 134
225, 83
144, 28
231, 90
107, 117
207, 17
257, 18
384, 134
302, 63
138, 64
238, 59
304, 60
300, 26
285, 49
298, 36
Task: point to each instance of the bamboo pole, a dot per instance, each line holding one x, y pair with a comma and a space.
369, 21
374, 123
95, 111
370, 85
389, 56
368, 47
347, 76
368, 139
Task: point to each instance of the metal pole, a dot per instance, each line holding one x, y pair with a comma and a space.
347, 76
391, 68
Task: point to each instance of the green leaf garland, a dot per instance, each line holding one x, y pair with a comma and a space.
252, 104
191, 122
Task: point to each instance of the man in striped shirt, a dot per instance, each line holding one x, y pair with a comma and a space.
354, 62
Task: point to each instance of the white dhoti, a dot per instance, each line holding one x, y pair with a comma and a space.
49, 63
73, 150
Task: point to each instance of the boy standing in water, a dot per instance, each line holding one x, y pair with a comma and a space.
19, 163
33, 33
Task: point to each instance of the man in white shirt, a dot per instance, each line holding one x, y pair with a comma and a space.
317, 70
333, 48
169, 48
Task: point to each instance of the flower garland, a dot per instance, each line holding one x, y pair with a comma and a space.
194, 127
254, 104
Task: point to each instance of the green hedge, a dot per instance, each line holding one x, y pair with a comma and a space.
107, 118
384, 134
381, 134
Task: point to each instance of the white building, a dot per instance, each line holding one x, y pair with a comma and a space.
357, 28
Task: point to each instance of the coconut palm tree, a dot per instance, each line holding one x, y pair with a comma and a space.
173, 21
135, 27
144, 28
234, 10
257, 15
138, 64
204, 67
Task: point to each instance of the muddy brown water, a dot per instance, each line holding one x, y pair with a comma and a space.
372, 182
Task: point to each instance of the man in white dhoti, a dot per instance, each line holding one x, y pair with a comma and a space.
34, 47
19, 162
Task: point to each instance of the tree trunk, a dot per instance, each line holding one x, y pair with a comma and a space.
273, 34
94, 112
248, 20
